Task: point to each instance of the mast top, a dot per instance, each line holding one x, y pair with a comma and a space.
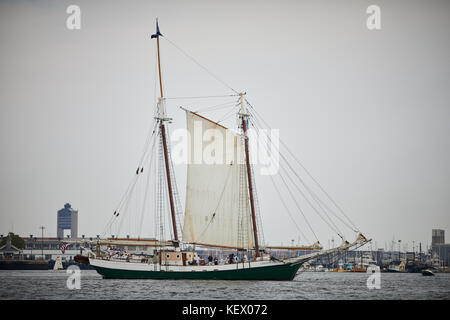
158, 33
243, 112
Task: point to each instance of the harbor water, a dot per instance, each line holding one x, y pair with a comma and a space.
50, 284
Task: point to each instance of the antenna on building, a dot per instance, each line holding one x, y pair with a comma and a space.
42, 241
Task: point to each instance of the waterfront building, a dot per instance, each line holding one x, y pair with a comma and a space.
440, 249
49, 248
380, 256
9, 251
67, 219
437, 237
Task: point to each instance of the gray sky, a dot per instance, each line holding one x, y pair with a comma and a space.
367, 112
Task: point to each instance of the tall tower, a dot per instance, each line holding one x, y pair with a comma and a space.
67, 218
437, 237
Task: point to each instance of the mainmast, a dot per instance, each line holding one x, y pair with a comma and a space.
162, 118
244, 116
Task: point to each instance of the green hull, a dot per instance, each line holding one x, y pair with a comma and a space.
279, 273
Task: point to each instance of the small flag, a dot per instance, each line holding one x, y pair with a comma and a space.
64, 247
157, 34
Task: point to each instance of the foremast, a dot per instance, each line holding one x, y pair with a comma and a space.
244, 116
162, 118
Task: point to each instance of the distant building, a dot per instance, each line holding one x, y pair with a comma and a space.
439, 248
9, 250
410, 256
380, 256
67, 219
437, 237
50, 248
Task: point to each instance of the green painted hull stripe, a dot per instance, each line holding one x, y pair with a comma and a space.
279, 272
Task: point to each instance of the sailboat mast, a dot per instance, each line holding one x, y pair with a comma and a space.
159, 65
162, 127
244, 117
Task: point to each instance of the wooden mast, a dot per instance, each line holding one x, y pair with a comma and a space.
159, 63
164, 140
244, 117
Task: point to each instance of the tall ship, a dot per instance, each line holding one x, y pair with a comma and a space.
221, 208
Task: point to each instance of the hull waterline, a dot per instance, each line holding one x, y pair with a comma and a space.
276, 272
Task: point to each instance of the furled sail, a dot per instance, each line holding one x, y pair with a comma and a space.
217, 206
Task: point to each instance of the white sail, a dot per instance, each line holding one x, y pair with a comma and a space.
217, 206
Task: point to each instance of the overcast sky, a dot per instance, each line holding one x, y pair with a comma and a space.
367, 112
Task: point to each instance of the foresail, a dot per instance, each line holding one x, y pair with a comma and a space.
217, 207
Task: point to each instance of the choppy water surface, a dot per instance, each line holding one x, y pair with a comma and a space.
307, 285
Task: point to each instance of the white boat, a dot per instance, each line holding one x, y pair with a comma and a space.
58, 264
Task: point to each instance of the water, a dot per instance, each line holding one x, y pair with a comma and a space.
307, 285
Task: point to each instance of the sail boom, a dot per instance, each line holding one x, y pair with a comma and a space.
293, 248
129, 242
219, 246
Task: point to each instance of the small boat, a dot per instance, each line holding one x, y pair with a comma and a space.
427, 272
81, 259
58, 264
398, 267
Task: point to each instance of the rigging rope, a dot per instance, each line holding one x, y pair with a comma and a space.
293, 198
309, 174
226, 116
201, 97
178, 206
149, 173
306, 198
354, 228
334, 227
287, 209
224, 105
201, 66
